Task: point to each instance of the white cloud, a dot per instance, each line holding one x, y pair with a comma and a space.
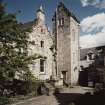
96, 3
89, 2
93, 22
88, 26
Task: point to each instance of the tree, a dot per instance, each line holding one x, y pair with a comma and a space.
13, 46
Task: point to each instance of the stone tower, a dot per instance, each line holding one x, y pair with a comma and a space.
66, 39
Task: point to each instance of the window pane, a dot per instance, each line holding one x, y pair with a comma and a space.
42, 43
41, 65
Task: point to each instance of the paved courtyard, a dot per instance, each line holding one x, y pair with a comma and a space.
41, 100
64, 98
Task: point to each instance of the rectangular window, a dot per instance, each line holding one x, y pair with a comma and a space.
42, 43
61, 22
41, 65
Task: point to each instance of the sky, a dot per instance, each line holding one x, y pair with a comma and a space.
90, 13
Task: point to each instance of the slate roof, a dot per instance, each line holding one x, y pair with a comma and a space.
83, 52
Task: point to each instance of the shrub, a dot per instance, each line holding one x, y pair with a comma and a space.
4, 100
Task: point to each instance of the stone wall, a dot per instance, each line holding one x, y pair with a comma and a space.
75, 55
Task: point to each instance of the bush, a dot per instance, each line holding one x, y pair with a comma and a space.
24, 87
19, 87
4, 100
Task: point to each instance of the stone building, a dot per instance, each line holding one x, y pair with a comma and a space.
92, 64
59, 50
42, 42
66, 41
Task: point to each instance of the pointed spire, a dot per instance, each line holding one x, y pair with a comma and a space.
41, 8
